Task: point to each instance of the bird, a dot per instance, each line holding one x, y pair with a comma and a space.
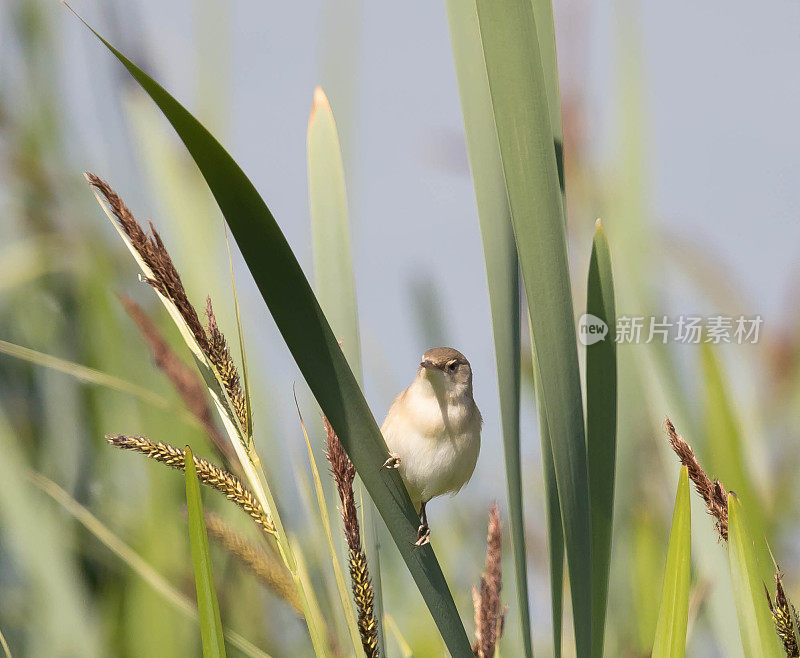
433, 431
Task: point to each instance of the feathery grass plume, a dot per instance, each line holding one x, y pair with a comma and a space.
784, 616
220, 356
489, 616
183, 378
166, 280
712, 492
208, 473
269, 569
152, 251
343, 474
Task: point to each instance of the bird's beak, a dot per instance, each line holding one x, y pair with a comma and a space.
427, 365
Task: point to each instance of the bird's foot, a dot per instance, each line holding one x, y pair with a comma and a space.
392, 462
423, 535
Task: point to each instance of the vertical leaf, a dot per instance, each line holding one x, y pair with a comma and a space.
207, 605
502, 270
335, 280
555, 533
673, 615
521, 115
756, 629
330, 230
724, 450
601, 428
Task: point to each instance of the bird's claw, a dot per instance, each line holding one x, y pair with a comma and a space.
423, 536
392, 462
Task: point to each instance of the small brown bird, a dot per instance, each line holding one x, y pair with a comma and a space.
433, 430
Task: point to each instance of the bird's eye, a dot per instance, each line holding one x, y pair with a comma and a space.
451, 367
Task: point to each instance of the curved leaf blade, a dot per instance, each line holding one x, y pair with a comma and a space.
601, 428
207, 605
673, 615
756, 629
313, 345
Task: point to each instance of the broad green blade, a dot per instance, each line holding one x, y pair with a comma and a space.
502, 270
545, 30
335, 281
207, 605
601, 426
673, 615
314, 347
756, 629
555, 529
724, 451
330, 230
521, 115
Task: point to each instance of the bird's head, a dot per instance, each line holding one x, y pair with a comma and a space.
447, 371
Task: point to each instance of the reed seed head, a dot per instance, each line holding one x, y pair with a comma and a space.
220, 356
152, 251
183, 378
712, 491
269, 570
210, 474
784, 617
489, 616
166, 280
343, 474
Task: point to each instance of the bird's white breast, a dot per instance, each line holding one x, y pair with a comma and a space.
437, 442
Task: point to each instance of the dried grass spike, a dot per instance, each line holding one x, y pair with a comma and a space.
489, 616
152, 251
782, 616
712, 492
343, 474
267, 568
208, 474
183, 378
220, 356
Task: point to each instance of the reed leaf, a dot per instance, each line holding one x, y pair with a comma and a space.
334, 278
207, 605
756, 629
521, 116
314, 347
725, 453
502, 270
673, 615
601, 427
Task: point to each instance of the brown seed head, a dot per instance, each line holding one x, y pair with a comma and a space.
712, 492
207, 473
343, 474
489, 616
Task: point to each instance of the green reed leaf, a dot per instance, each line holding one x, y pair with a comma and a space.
601, 428
756, 629
673, 615
207, 605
